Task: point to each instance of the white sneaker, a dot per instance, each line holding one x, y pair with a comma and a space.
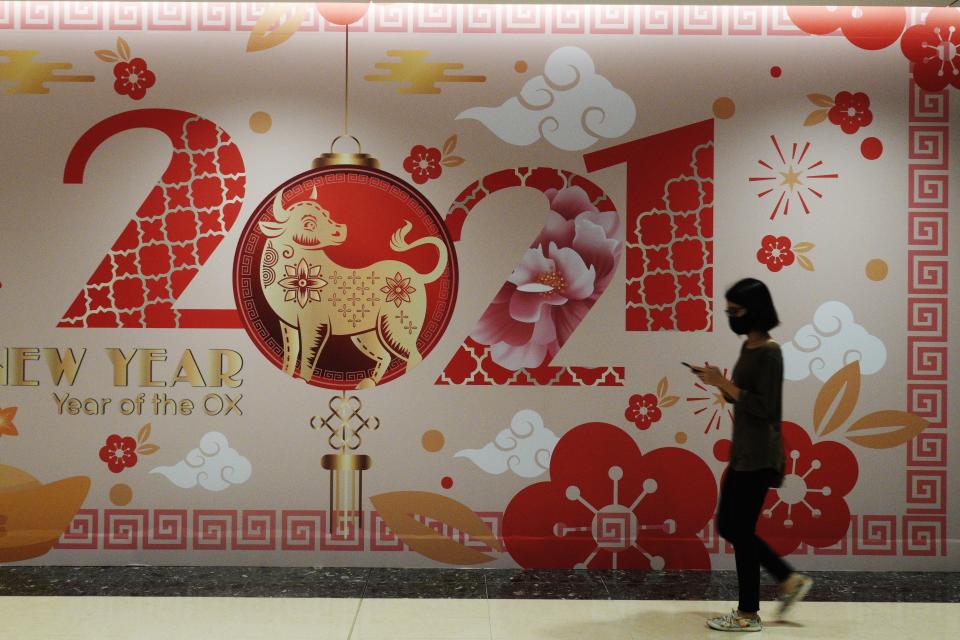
735, 622
797, 592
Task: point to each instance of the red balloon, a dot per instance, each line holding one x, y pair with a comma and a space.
342, 13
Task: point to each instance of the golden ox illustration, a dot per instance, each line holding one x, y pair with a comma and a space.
381, 306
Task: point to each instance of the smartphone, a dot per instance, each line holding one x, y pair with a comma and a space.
688, 366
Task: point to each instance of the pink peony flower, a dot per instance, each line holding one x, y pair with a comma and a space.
559, 278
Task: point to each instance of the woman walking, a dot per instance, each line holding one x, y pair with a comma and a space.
756, 454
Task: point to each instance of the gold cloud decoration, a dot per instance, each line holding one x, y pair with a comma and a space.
421, 75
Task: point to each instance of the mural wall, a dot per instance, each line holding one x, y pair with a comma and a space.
410, 285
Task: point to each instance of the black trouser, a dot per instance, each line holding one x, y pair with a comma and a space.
741, 499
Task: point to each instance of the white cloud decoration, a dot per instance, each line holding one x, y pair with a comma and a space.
570, 105
214, 466
524, 448
831, 342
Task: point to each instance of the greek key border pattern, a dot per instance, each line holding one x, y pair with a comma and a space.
243, 530
306, 530
48, 15
924, 527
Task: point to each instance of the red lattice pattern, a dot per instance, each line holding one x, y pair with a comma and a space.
669, 227
172, 234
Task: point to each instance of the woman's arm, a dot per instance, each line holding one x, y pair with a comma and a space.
713, 377
765, 399
729, 390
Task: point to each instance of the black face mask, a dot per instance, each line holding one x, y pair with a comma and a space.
740, 325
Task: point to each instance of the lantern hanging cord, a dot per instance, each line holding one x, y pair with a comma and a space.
346, 77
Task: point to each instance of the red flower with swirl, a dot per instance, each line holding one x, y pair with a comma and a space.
133, 78
119, 453
775, 252
643, 410
850, 111
810, 507
423, 163
934, 49
606, 505
865, 27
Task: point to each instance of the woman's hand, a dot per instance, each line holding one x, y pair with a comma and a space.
710, 375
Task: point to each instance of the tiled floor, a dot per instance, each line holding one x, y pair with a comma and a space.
239, 603
214, 618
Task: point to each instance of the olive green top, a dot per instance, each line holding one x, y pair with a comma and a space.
757, 442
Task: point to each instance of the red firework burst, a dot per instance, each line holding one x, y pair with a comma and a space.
711, 399
793, 180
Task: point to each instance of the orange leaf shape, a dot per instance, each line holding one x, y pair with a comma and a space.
815, 117
844, 386
662, 387
900, 427
669, 401
106, 55
820, 100
452, 161
271, 29
144, 434
803, 247
397, 510
450, 145
148, 449
123, 48
805, 262
7, 428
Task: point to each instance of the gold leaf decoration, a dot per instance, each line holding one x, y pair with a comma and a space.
106, 55
450, 145
452, 161
803, 247
397, 510
123, 48
843, 387
271, 30
820, 100
805, 262
669, 401
815, 117
662, 387
897, 427
148, 449
144, 434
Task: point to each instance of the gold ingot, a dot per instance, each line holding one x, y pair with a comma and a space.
333, 158
35, 515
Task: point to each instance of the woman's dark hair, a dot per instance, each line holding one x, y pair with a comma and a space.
753, 295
